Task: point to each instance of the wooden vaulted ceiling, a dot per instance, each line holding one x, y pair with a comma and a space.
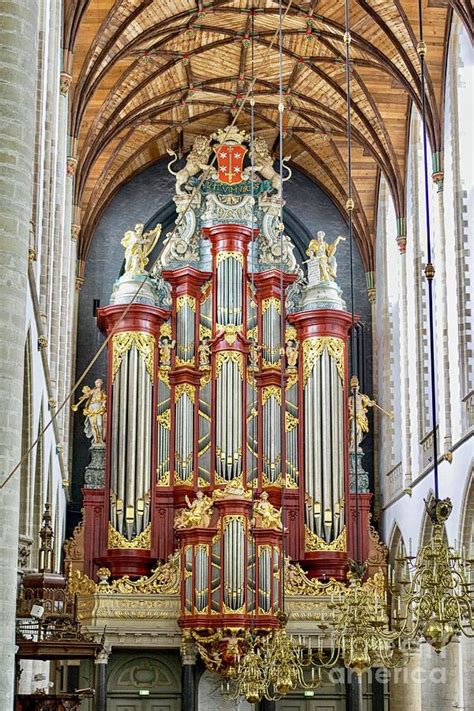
148, 75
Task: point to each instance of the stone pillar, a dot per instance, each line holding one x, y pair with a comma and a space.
441, 686
379, 680
18, 36
354, 692
405, 359
101, 681
405, 686
188, 679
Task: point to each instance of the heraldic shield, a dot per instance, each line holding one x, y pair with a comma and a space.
230, 158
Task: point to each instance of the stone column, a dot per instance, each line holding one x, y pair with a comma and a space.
354, 691
380, 677
101, 681
405, 686
405, 358
188, 679
18, 59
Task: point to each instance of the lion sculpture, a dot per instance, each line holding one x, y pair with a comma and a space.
263, 164
197, 160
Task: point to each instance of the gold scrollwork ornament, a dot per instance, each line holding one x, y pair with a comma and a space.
123, 342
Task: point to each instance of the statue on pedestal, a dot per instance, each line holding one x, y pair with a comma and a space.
95, 411
138, 246
198, 513
322, 262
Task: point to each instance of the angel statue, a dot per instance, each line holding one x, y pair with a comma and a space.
358, 406
198, 513
138, 246
322, 259
265, 514
95, 411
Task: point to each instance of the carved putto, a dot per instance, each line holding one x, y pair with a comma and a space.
198, 513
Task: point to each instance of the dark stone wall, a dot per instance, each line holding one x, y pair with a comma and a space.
146, 198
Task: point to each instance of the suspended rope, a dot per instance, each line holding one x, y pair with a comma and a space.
350, 207
429, 269
282, 302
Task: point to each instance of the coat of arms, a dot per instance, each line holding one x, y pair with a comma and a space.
230, 154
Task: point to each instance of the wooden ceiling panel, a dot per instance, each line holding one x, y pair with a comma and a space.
150, 74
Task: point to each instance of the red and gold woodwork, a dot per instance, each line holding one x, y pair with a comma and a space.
118, 518
227, 433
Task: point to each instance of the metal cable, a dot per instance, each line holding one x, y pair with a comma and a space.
349, 206
429, 271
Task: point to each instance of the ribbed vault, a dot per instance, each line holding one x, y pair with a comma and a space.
148, 75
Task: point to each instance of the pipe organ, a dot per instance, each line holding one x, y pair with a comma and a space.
227, 421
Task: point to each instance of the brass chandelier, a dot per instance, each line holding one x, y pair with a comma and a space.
435, 599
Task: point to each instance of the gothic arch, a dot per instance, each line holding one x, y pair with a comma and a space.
466, 530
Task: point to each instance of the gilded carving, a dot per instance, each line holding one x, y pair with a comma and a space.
222, 256
123, 342
314, 543
74, 546
198, 512
142, 541
78, 583
165, 329
314, 347
290, 422
298, 583
164, 580
265, 515
271, 391
204, 332
165, 419
186, 299
185, 389
229, 357
270, 302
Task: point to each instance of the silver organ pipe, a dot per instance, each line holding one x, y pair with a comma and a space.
323, 450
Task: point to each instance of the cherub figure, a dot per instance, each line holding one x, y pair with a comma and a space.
265, 514
292, 352
95, 411
198, 513
166, 346
204, 353
138, 246
254, 350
